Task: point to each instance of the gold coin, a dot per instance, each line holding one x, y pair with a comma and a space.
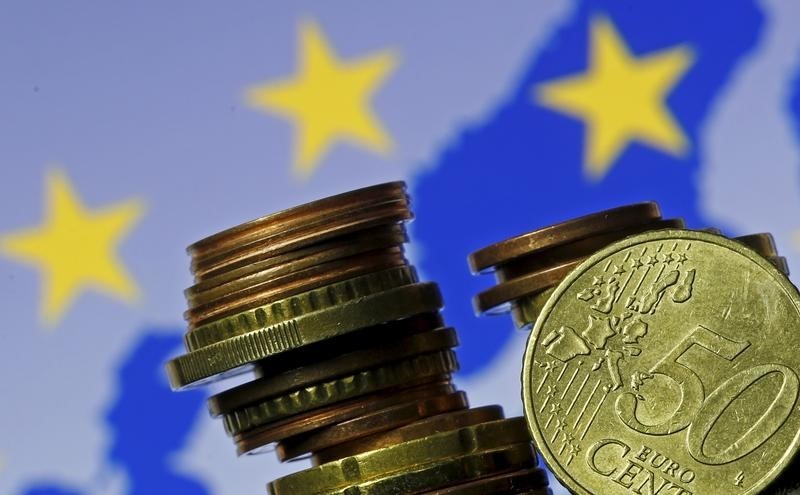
257, 343
528, 482
369, 424
403, 457
441, 473
302, 424
527, 275
341, 365
424, 366
563, 233
295, 282
667, 361
525, 309
418, 429
299, 304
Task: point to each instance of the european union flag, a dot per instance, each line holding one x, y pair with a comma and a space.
132, 131
610, 111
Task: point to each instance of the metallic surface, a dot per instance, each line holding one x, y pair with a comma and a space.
432, 475
391, 459
352, 432
420, 367
350, 361
563, 233
662, 347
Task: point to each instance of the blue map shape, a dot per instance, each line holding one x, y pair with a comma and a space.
149, 422
794, 99
519, 170
522, 168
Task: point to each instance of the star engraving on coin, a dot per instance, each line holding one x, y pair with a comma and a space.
690, 374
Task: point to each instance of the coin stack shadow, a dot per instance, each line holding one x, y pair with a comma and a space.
351, 359
528, 267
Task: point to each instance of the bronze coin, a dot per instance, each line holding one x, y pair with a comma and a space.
563, 233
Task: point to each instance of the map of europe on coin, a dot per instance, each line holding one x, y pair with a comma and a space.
666, 364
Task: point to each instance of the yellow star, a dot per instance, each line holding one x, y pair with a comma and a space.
328, 100
621, 98
75, 248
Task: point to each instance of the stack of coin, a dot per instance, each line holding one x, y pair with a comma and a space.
351, 362
528, 267
661, 360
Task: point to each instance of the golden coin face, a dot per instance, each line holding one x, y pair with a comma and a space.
667, 364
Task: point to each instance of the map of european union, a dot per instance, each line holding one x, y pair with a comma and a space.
501, 118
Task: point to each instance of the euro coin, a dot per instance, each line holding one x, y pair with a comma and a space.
667, 363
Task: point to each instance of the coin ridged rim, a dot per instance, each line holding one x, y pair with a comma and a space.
572, 230
397, 349
295, 283
669, 234
529, 481
328, 228
525, 309
372, 423
413, 431
263, 342
256, 272
339, 389
430, 477
403, 456
307, 423
291, 216
300, 304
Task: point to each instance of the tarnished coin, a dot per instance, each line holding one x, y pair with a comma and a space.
403, 457
562, 233
667, 363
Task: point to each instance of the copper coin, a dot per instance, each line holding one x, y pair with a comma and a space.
419, 429
529, 481
563, 233
295, 283
277, 244
252, 441
291, 218
370, 424
343, 364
